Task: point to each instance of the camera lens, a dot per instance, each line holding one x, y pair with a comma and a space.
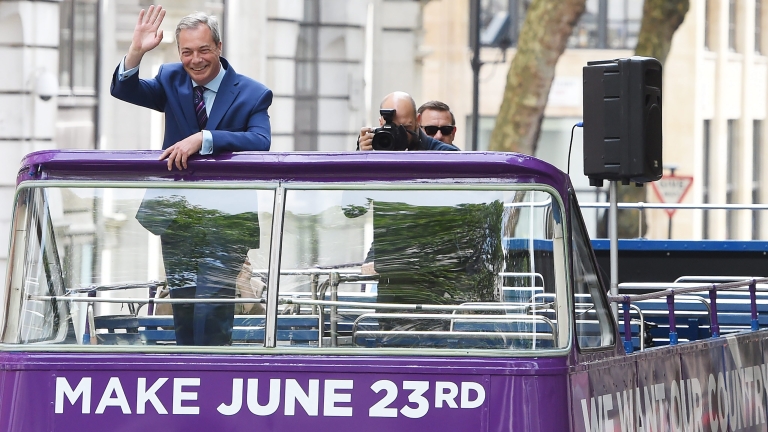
383, 140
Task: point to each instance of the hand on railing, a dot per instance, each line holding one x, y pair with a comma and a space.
368, 269
249, 287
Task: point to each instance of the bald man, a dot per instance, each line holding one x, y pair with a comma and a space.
405, 115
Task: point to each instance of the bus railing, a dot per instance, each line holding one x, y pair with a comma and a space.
670, 293
514, 326
459, 312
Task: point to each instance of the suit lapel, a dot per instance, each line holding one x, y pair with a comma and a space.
224, 98
187, 107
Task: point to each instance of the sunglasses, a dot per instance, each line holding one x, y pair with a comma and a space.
432, 130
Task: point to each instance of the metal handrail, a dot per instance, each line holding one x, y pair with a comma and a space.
397, 306
690, 298
114, 287
453, 318
669, 294
534, 275
143, 301
678, 206
710, 279
687, 289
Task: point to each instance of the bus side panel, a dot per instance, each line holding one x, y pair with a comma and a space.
598, 392
76, 392
529, 403
81, 392
20, 399
716, 384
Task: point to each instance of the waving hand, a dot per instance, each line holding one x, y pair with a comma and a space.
146, 36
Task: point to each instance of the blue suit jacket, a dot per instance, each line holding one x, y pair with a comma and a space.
238, 120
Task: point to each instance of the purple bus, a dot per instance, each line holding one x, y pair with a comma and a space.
365, 291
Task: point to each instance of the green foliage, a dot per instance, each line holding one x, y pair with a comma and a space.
195, 236
437, 254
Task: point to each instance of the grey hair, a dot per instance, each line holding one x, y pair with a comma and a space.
194, 20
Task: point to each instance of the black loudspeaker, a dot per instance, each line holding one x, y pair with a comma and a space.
622, 120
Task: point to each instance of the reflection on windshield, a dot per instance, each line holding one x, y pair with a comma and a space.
115, 249
428, 268
204, 245
437, 254
361, 269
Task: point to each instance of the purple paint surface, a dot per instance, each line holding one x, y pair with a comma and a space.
350, 393
315, 166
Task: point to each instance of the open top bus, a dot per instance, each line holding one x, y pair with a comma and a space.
372, 291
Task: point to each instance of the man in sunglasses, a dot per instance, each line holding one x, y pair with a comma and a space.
436, 120
405, 116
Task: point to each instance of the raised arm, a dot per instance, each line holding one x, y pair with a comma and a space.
146, 36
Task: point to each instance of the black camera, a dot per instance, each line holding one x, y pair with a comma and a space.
389, 137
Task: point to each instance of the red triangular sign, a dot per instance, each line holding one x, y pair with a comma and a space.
672, 190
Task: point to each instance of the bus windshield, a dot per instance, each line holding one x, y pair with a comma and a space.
288, 266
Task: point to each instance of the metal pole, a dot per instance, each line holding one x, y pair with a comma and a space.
669, 228
602, 24
613, 235
476, 64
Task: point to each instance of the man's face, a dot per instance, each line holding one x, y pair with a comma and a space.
433, 120
404, 116
199, 54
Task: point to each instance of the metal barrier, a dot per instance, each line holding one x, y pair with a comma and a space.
670, 294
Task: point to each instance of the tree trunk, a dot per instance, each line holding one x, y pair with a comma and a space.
661, 18
547, 27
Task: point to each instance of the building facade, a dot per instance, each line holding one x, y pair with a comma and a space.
330, 62
715, 84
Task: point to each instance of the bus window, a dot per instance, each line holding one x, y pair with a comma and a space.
419, 268
594, 328
86, 261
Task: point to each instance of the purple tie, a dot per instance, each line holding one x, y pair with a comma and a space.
197, 99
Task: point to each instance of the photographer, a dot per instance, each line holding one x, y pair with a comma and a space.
399, 128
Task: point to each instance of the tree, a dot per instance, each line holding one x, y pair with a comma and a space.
547, 27
661, 18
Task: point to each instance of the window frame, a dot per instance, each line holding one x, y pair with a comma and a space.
608, 327
733, 25
16, 269
461, 185
278, 214
516, 17
706, 188
733, 184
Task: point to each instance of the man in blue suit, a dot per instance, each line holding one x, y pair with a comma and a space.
209, 109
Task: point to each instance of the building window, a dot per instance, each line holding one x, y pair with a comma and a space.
77, 118
757, 147
604, 24
731, 178
77, 46
307, 79
608, 24
732, 45
705, 177
707, 27
758, 26
500, 21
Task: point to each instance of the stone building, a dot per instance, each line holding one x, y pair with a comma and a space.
330, 62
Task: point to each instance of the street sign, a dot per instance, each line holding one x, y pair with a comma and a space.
672, 190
